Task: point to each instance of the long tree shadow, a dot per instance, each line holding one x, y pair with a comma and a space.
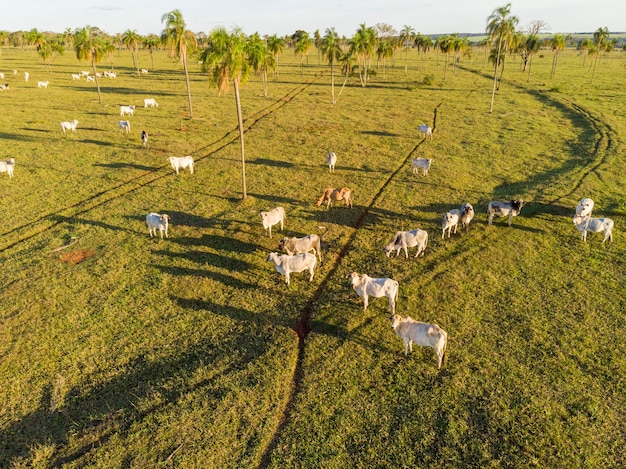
217, 260
275, 163
126, 165
113, 407
226, 280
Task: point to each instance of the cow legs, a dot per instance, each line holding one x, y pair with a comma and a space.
365, 302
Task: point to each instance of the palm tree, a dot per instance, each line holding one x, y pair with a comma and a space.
151, 42
384, 51
48, 48
331, 49
500, 26
532, 47
180, 42
260, 58
318, 44
363, 47
89, 46
558, 44
132, 40
226, 59
276, 45
303, 46
406, 38
584, 46
108, 48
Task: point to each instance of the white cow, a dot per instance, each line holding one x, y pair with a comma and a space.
331, 160
584, 207
150, 102
91, 78
426, 131
310, 242
42, 84
144, 138
7, 166
285, 264
127, 110
420, 333
364, 286
4, 87
26, 76
595, 225
181, 162
2, 75
467, 215
156, 222
76, 76
143, 70
273, 217
85, 73
408, 239
449, 220
110, 74
502, 209
423, 163
124, 126
69, 125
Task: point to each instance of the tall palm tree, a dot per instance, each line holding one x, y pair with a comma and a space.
276, 45
558, 44
384, 51
406, 39
48, 48
151, 42
363, 48
226, 59
89, 46
331, 49
108, 48
446, 45
584, 46
318, 44
500, 26
132, 40
532, 47
180, 41
303, 46
260, 58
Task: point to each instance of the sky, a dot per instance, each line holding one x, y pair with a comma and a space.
284, 17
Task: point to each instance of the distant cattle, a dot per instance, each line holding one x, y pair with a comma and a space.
7, 166
26, 76
150, 102
124, 126
127, 110
76, 76
273, 217
331, 160
143, 70
69, 125
503, 209
42, 84
4, 87
181, 162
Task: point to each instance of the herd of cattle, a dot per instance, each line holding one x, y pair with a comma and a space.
302, 253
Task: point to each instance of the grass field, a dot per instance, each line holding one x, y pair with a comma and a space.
117, 350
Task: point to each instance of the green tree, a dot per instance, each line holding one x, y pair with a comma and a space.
363, 48
132, 40
260, 58
331, 49
276, 45
89, 46
532, 47
302, 47
151, 42
500, 27
557, 43
406, 39
384, 51
226, 59
180, 42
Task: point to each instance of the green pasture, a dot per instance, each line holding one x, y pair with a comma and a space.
122, 351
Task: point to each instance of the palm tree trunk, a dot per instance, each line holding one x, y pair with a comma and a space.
530, 64
495, 75
188, 88
332, 81
93, 65
243, 157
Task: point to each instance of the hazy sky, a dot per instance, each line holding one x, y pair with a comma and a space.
286, 16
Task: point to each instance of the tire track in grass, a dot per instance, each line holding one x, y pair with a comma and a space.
303, 328
46, 222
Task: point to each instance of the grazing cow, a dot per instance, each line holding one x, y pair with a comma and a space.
331, 160
449, 220
76, 76
4, 87
156, 222
181, 162
144, 138
584, 208
502, 209
285, 264
42, 84
150, 102
14, 72
420, 333
408, 239
26, 76
124, 125
331, 194
426, 131
98, 74
310, 242
91, 78
69, 125
7, 166
467, 215
143, 70
2, 75
85, 73
110, 74
127, 110
595, 225
364, 286
423, 163
273, 217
